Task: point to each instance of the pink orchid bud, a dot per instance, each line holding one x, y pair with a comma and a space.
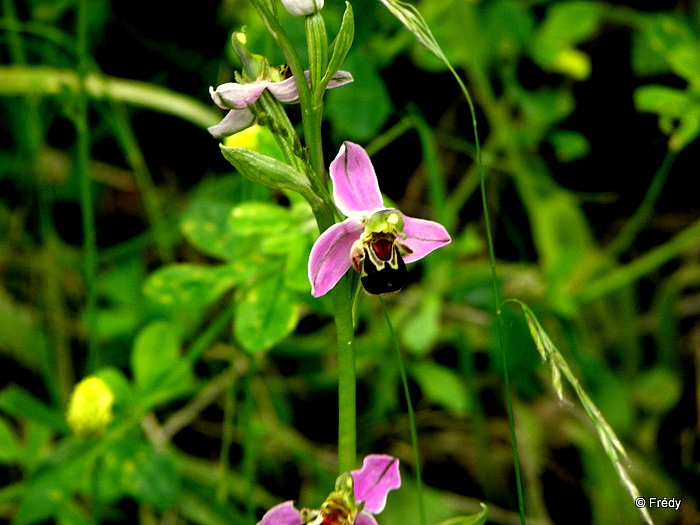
302, 7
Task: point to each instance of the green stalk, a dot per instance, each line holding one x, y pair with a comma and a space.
48, 81
251, 444
347, 431
325, 217
311, 121
86, 200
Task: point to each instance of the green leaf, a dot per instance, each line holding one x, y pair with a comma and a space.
341, 45
358, 110
17, 402
259, 219
442, 386
192, 285
205, 225
119, 384
684, 61
266, 312
296, 275
474, 519
133, 467
657, 390
9, 449
156, 352
566, 25
150, 476
421, 329
562, 234
268, 171
658, 39
51, 488
679, 112
21, 336
569, 145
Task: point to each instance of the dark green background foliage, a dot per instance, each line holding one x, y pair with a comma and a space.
199, 313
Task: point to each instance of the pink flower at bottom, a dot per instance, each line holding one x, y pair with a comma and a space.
356, 498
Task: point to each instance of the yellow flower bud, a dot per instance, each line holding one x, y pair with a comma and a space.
574, 63
90, 407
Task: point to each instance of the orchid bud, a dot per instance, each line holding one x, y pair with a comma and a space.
302, 7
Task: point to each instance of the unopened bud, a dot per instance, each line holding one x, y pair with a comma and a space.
90, 407
302, 7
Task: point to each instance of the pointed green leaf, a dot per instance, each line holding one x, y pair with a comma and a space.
16, 401
268, 171
9, 450
474, 519
340, 45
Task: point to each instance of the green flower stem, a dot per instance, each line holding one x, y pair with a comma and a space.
124, 133
86, 200
317, 42
347, 431
42, 80
311, 116
325, 217
274, 116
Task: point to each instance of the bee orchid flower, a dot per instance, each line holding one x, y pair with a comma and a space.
375, 240
356, 498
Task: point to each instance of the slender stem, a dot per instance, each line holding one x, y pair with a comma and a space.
251, 445
126, 137
411, 416
325, 216
44, 80
500, 330
347, 431
86, 199
641, 216
642, 265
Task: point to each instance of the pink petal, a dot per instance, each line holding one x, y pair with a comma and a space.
233, 95
285, 91
365, 518
355, 186
235, 120
330, 256
282, 514
379, 475
423, 237
340, 78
